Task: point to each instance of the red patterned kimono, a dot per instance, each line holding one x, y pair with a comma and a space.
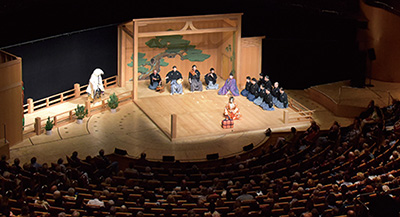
232, 111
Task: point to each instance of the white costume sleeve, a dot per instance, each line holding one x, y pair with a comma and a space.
100, 83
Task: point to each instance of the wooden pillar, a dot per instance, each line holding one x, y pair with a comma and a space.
260, 55
71, 114
55, 120
77, 88
285, 116
238, 51
122, 74
173, 126
87, 106
119, 61
38, 125
135, 60
30, 105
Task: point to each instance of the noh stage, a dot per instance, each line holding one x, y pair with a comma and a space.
209, 41
199, 114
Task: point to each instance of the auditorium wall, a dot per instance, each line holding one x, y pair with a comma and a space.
383, 35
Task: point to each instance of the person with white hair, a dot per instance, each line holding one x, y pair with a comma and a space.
95, 86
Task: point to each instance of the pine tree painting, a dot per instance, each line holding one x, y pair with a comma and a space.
174, 45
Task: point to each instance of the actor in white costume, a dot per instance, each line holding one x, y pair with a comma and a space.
95, 83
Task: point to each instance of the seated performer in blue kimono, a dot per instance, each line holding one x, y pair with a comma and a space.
275, 92
267, 83
267, 102
194, 80
230, 85
246, 90
176, 81
211, 80
253, 93
261, 95
282, 101
155, 80
261, 80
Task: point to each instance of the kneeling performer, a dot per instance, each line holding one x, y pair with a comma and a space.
155, 80
211, 80
267, 102
231, 109
282, 101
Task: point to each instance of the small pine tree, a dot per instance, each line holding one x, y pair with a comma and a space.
113, 101
49, 124
80, 112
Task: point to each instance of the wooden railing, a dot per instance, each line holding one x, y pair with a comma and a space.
6, 57
301, 113
78, 90
69, 116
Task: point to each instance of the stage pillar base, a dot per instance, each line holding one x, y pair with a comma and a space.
173, 126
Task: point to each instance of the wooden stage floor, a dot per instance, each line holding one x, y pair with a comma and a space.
200, 114
346, 101
132, 130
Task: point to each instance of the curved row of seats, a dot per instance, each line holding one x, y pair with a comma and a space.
268, 175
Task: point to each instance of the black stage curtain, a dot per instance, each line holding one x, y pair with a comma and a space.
54, 65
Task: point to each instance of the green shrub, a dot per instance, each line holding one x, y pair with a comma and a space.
49, 124
80, 111
113, 101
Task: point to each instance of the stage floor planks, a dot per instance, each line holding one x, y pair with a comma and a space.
132, 130
200, 114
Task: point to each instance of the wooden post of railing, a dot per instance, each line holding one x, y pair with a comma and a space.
77, 88
38, 125
285, 116
30, 105
61, 97
173, 126
87, 106
47, 102
70, 114
105, 83
55, 120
